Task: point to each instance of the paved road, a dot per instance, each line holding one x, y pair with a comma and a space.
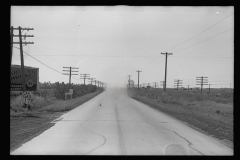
114, 124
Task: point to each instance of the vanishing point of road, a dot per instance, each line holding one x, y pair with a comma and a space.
114, 124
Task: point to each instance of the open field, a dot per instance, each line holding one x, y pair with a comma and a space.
25, 125
211, 114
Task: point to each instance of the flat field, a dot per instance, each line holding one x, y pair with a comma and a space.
211, 113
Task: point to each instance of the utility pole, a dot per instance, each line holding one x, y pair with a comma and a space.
138, 78
129, 81
98, 83
21, 50
91, 80
188, 87
177, 83
155, 84
11, 47
45, 92
70, 74
209, 88
162, 84
95, 82
202, 82
165, 89
84, 76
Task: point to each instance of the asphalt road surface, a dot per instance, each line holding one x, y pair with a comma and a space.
114, 124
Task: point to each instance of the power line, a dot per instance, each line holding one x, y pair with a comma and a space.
201, 31
38, 60
204, 40
49, 57
92, 56
43, 63
195, 36
200, 57
64, 64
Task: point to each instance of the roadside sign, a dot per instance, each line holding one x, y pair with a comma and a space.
27, 97
31, 77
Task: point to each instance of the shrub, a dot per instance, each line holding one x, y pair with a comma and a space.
17, 104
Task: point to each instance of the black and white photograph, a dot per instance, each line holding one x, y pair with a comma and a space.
122, 80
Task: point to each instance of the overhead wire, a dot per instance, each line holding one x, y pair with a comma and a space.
43, 63
195, 36
205, 40
201, 31
38, 60
49, 57
50, 50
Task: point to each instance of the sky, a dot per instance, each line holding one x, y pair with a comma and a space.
112, 42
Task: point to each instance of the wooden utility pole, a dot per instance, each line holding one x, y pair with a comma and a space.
155, 84
11, 47
21, 50
138, 78
202, 82
45, 92
91, 80
165, 88
70, 73
98, 83
209, 88
95, 82
177, 83
84, 76
129, 81
162, 83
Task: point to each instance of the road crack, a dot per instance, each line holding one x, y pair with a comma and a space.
189, 143
104, 138
121, 140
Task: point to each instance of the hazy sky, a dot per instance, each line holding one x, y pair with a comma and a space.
110, 43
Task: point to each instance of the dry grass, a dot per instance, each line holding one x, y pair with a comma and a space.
66, 105
25, 125
213, 115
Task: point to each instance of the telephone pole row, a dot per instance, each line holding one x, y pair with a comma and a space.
84, 76
91, 80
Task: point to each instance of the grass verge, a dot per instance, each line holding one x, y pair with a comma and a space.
24, 126
208, 117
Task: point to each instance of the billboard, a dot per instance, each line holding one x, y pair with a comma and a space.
31, 78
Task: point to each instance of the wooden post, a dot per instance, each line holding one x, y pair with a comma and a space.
22, 61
